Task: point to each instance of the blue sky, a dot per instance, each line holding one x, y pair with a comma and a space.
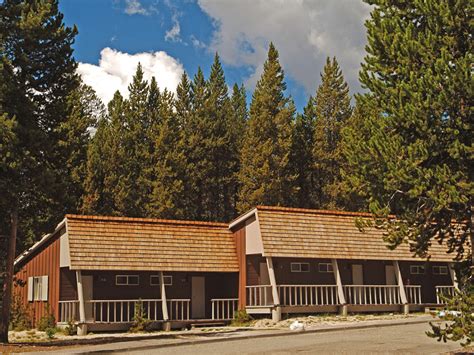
172, 36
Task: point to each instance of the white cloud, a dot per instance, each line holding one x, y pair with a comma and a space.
173, 34
196, 42
305, 32
116, 69
134, 7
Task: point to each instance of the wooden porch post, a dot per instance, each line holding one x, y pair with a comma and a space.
340, 290
164, 304
452, 273
401, 287
276, 312
82, 327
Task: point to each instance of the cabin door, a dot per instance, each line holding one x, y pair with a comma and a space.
87, 288
390, 278
198, 297
265, 280
357, 274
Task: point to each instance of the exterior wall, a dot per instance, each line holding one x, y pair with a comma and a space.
253, 240
68, 285
240, 243
253, 269
43, 262
217, 285
428, 281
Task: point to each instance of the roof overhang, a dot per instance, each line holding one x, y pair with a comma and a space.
41, 242
242, 218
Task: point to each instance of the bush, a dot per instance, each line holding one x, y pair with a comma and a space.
140, 322
241, 318
47, 321
50, 332
71, 328
20, 318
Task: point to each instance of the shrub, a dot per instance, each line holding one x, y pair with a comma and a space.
241, 318
140, 322
46, 321
50, 332
20, 317
71, 328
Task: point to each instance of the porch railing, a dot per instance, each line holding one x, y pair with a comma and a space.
123, 311
258, 296
413, 293
68, 311
308, 295
224, 308
372, 294
444, 291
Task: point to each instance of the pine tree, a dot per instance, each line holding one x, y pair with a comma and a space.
34, 41
418, 73
302, 165
332, 109
265, 175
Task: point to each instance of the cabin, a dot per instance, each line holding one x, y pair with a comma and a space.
295, 260
97, 271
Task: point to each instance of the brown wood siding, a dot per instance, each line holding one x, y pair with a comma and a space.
44, 261
239, 238
253, 269
68, 285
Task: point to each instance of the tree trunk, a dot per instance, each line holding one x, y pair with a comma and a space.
8, 280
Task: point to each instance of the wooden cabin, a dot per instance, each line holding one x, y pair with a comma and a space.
95, 270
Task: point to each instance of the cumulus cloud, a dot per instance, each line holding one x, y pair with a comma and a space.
304, 31
116, 69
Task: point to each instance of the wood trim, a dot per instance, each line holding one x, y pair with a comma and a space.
239, 238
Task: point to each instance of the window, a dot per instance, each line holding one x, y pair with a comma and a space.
127, 280
155, 280
38, 288
440, 270
417, 269
325, 267
299, 267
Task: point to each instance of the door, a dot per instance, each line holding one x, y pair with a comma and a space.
198, 297
357, 279
390, 278
87, 289
267, 297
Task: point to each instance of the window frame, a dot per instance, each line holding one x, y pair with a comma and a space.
417, 268
329, 268
165, 277
439, 268
300, 267
127, 277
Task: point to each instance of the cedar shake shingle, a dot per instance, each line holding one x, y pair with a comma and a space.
122, 243
305, 233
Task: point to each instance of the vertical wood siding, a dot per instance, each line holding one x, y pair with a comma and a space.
41, 263
239, 238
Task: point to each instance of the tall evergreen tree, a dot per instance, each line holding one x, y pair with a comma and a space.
265, 175
418, 73
332, 109
34, 41
302, 162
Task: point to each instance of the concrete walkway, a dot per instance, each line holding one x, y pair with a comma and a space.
185, 340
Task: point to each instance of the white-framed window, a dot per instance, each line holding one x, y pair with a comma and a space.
155, 280
299, 267
417, 269
325, 267
440, 270
127, 280
38, 288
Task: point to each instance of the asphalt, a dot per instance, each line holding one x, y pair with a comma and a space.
276, 340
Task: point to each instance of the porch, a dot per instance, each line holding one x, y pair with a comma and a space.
325, 298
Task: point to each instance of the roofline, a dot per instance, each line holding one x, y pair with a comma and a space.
39, 243
242, 218
146, 220
315, 211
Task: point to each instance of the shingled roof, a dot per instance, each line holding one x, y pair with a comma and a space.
121, 243
307, 233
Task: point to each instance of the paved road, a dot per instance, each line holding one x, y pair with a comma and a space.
395, 339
